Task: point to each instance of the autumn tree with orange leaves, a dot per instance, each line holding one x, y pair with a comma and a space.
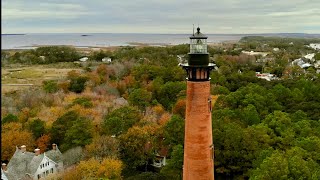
14, 135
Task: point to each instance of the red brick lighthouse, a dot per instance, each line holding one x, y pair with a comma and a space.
198, 145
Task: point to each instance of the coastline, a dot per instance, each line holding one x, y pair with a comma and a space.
103, 41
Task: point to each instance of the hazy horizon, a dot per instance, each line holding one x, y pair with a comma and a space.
150, 33
161, 17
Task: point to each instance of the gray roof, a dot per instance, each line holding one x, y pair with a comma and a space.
54, 155
19, 163
23, 163
198, 35
34, 164
120, 102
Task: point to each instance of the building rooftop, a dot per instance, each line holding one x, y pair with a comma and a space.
25, 163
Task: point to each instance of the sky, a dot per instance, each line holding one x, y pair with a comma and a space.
160, 16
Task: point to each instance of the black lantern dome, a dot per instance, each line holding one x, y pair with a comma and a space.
198, 67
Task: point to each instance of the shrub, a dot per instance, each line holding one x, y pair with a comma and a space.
50, 86
9, 118
83, 101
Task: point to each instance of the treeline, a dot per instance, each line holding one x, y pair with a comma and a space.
55, 54
279, 41
294, 46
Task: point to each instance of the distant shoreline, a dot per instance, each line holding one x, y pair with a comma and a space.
105, 40
12, 34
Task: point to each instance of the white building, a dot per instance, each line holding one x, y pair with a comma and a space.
310, 56
28, 165
301, 63
263, 54
317, 64
266, 76
160, 159
315, 46
84, 59
3, 175
106, 59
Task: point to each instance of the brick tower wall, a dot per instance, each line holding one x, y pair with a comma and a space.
198, 152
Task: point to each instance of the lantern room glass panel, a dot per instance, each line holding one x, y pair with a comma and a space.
198, 45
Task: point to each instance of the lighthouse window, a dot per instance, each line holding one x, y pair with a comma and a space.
210, 104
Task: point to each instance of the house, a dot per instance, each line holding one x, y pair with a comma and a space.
106, 59
266, 76
252, 53
315, 46
160, 159
300, 62
42, 58
84, 59
3, 175
317, 64
310, 56
28, 165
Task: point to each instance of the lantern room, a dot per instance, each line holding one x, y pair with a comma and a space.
198, 67
198, 43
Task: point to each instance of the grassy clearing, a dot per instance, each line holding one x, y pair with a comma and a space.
34, 74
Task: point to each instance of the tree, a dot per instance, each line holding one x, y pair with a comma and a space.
138, 145
251, 116
140, 97
79, 134
120, 120
180, 107
170, 92
102, 146
300, 165
110, 168
174, 131
13, 135
43, 142
148, 175
230, 154
317, 56
278, 121
77, 85
95, 169
50, 86
37, 127
104, 72
173, 169
61, 125
71, 174
83, 101
89, 169
9, 118
273, 167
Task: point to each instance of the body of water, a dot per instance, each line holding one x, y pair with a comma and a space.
27, 41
